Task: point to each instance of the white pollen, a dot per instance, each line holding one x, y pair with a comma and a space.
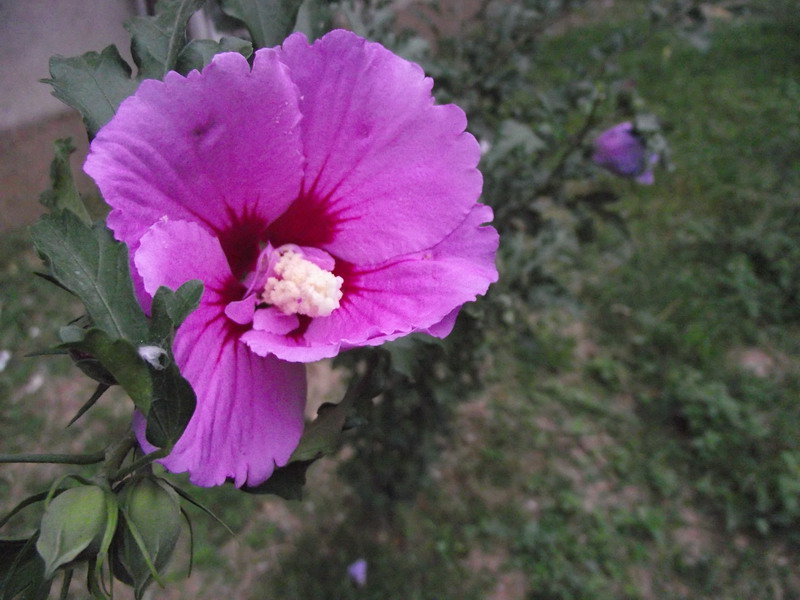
303, 287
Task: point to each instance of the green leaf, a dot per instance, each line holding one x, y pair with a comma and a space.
123, 345
314, 19
170, 309
157, 41
93, 84
173, 405
286, 482
22, 571
268, 21
91, 264
63, 194
123, 361
198, 53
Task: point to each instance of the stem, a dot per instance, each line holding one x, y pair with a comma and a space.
138, 464
115, 454
577, 140
66, 459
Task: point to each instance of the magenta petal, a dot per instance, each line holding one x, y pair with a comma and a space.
241, 311
414, 292
388, 171
219, 148
249, 414
292, 349
171, 253
273, 320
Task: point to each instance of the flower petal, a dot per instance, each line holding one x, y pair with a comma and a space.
171, 253
388, 172
414, 292
249, 414
221, 148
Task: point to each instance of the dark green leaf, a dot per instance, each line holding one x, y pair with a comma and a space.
173, 405
170, 308
408, 356
91, 264
157, 41
314, 19
286, 482
63, 194
122, 361
198, 53
22, 571
268, 21
93, 84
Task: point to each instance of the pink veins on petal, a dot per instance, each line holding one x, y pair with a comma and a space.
324, 200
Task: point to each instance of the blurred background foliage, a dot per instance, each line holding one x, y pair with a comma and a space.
620, 416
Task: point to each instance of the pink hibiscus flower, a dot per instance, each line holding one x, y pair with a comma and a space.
325, 202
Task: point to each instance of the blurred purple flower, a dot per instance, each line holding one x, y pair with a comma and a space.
325, 201
358, 572
621, 151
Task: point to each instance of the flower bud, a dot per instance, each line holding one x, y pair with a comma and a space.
621, 151
73, 523
151, 509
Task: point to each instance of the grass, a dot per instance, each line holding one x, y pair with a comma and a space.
646, 446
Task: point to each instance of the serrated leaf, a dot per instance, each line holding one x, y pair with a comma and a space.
170, 309
286, 482
63, 194
198, 53
157, 41
22, 571
91, 264
268, 21
93, 84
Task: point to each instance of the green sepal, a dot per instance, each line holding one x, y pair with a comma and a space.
73, 522
63, 194
93, 84
198, 53
268, 21
101, 389
148, 532
156, 42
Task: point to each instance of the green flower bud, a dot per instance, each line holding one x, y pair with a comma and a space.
73, 523
152, 513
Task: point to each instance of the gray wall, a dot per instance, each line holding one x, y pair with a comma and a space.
33, 30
